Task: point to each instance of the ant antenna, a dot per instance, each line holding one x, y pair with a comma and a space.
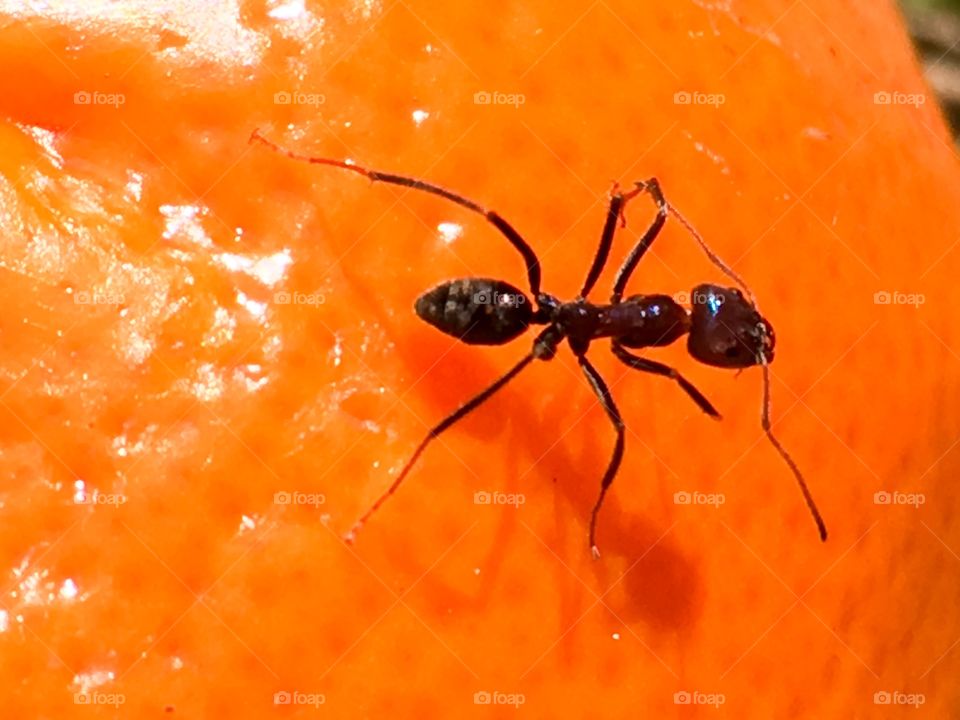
255, 136
765, 422
712, 256
765, 365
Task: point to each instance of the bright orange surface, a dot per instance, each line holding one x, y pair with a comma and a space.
189, 390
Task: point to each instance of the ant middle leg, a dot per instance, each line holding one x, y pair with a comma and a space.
606, 399
652, 366
529, 256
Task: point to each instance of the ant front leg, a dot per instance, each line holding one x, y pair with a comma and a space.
606, 399
614, 211
629, 265
652, 366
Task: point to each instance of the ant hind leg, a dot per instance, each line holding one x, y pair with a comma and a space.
529, 256
606, 399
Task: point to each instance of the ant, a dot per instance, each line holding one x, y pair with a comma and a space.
723, 327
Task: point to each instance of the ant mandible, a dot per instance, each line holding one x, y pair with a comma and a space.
723, 327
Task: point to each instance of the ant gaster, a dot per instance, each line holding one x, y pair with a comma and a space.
723, 327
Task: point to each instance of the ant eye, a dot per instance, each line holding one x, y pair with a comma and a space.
732, 351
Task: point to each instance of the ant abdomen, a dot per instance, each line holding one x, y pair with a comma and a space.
478, 311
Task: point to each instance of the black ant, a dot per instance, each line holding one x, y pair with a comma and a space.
723, 328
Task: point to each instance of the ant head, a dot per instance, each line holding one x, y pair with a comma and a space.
726, 330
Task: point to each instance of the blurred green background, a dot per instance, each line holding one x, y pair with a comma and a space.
953, 5
935, 28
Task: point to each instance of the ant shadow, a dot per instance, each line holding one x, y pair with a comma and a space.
642, 575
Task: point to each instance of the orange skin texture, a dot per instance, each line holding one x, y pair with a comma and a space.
201, 597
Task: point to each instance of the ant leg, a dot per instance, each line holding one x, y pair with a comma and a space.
457, 414
626, 270
606, 399
652, 366
529, 257
614, 211
543, 348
